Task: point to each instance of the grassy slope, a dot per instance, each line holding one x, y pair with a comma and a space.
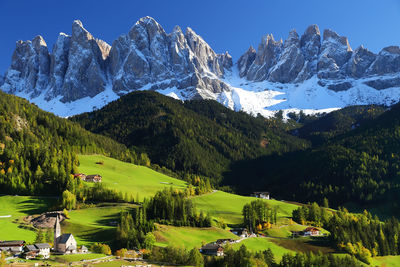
94, 224
18, 207
228, 207
87, 225
260, 243
126, 177
189, 237
386, 261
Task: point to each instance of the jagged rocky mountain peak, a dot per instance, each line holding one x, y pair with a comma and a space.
392, 49
293, 39
311, 42
79, 33
38, 42
84, 69
311, 30
246, 60
332, 36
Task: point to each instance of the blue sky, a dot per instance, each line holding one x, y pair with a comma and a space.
230, 25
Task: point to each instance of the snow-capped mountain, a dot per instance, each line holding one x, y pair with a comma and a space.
303, 73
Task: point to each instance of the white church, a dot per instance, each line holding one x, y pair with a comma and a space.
63, 243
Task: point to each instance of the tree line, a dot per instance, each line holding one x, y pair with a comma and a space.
243, 257
38, 150
361, 235
258, 213
170, 206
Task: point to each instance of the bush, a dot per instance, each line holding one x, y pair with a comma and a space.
100, 248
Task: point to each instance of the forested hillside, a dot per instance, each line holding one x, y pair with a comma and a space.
358, 166
195, 137
353, 158
37, 148
321, 129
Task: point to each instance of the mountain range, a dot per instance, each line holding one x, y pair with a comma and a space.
312, 73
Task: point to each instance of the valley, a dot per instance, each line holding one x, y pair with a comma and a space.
156, 150
97, 222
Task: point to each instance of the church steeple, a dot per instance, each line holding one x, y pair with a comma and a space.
57, 231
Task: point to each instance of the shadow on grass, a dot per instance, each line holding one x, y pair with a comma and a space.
90, 234
36, 205
306, 245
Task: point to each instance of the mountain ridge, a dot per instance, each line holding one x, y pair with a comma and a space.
83, 73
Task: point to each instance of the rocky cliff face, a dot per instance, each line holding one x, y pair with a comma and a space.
181, 64
82, 66
299, 59
148, 55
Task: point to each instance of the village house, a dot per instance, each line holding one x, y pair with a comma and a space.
242, 232
225, 241
263, 195
81, 176
37, 250
83, 250
311, 231
212, 249
44, 250
14, 247
95, 178
31, 252
63, 243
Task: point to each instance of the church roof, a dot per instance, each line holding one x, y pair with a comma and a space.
64, 238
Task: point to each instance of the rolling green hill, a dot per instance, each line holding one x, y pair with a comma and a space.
319, 130
189, 237
228, 207
195, 137
38, 149
359, 168
96, 224
19, 207
126, 177
256, 244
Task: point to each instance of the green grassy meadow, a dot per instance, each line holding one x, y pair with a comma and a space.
386, 261
97, 224
228, 207
126, 177
189, 237
19, 207
77, 257
261, 243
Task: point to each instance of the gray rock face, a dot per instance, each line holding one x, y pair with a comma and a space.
75, 69
341, 86
267, 56
149, 55
58, 65
335, 52
85, 74
29, 69
387, 61
359, 62
290, 62
246, 60
83, 66
380, 84
330, 59
310, 43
